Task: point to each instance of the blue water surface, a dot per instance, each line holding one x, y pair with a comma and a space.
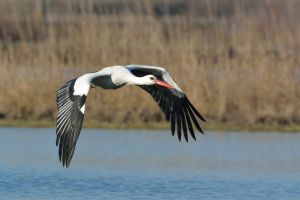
136, 164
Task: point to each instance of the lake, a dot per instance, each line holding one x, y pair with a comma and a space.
138, 164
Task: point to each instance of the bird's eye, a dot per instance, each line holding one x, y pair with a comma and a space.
152, 78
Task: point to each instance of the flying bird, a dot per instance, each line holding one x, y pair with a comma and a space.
71, 97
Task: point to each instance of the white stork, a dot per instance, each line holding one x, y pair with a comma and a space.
155, 80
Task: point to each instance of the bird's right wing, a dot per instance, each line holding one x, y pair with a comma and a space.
69, 120
173, 102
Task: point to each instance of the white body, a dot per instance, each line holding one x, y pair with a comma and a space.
120, 76
156, 81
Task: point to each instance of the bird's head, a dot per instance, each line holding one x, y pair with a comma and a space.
152, 80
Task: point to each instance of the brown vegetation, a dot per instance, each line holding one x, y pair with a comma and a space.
238, 61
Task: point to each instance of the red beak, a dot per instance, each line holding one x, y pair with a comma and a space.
164, 84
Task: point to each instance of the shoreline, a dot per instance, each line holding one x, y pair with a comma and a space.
154, 125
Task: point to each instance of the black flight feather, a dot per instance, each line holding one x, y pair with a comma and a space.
69, 121
175, 105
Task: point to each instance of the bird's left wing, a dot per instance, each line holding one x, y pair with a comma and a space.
69, 120
173, 102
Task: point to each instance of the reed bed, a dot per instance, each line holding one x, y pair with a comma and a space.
237, 61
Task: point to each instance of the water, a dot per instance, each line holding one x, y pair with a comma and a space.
150, 165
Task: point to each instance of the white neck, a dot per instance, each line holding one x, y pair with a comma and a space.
134, 80
123, 76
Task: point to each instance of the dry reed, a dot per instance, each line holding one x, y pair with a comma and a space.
238, 61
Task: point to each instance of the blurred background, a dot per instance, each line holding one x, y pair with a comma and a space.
237, 61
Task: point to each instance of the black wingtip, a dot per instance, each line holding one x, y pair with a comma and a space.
194, 119
67, 164
201, 131
173, 123
178, 117
189, 123
184, 128
195, 110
